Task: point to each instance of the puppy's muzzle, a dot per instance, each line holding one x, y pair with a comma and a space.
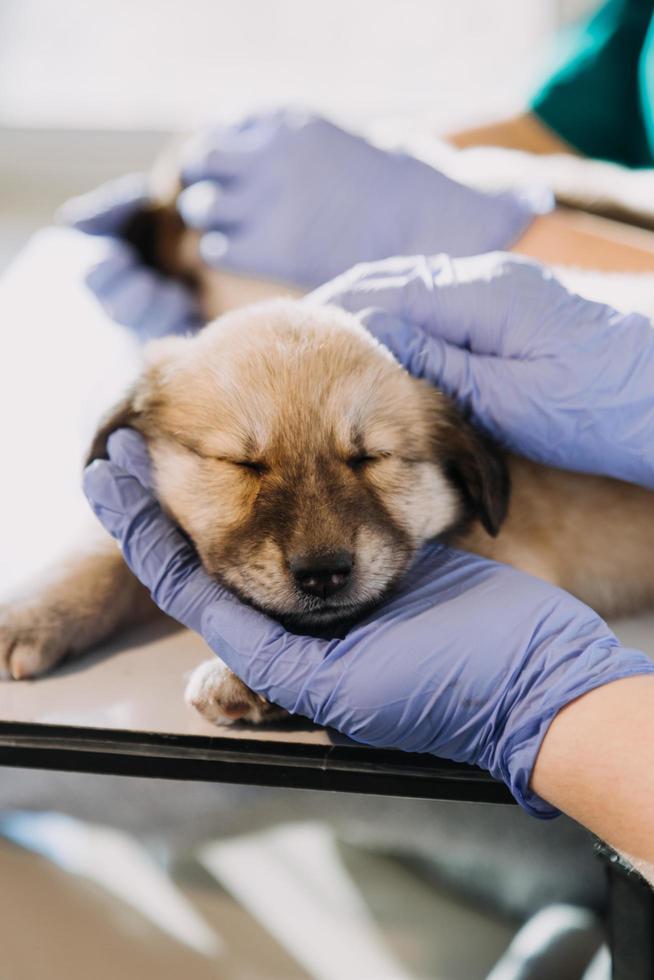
322, 575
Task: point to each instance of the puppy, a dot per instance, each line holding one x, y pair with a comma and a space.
308, 468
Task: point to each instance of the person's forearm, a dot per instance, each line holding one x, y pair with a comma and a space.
595, 764
563, 237
584, 240
523, 132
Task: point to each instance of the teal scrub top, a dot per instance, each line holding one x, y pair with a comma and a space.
600, 98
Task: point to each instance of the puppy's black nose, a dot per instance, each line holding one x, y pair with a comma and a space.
322, 575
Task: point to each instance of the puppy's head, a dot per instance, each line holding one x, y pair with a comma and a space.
306, 465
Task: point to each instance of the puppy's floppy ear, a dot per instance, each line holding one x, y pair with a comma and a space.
475, 465
142, 400
123, 414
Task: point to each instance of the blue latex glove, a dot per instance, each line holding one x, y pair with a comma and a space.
292, 197
553, 376
130, 293
468, 660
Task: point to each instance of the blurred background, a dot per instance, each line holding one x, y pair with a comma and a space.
164, 64
122, 878
88, 89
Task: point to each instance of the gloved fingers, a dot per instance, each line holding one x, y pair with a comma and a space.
230, 152
213, 248
269, 659
140, 298
172, 310
209, 205
255, 646
105, 210
402, 286
504, 306
492, 304
118, 258
467, 302
128, 450
225, 153
236, 251
233, 251
425, 356
130, 297
155, 550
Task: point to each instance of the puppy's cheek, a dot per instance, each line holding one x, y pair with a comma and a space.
207, 500
380, 560
423, 502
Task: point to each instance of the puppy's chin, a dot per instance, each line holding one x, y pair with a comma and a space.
311, 617
328, 622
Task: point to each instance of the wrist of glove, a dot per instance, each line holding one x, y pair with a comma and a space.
563, 380
468, 660
129, 292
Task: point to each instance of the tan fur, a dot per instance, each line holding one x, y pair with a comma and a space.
74, 606
291, 386
590, 535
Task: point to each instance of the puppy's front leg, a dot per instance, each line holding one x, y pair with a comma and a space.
220, 697
78, 604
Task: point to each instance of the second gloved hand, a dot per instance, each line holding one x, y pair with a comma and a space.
549, 374
292, 197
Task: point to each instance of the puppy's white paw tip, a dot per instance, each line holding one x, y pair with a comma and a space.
33, 639
220, 697
27, 661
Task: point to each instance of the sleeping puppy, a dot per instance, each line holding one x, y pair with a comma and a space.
308, 468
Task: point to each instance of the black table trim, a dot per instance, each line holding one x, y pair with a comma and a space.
299, 765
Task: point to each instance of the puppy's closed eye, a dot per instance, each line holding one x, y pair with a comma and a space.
257, 467
360, 460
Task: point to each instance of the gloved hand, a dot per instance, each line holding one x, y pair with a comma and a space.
130, 293
468, 659
551, 375
292, 197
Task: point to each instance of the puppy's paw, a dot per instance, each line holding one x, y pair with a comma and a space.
222, 698
33, 638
